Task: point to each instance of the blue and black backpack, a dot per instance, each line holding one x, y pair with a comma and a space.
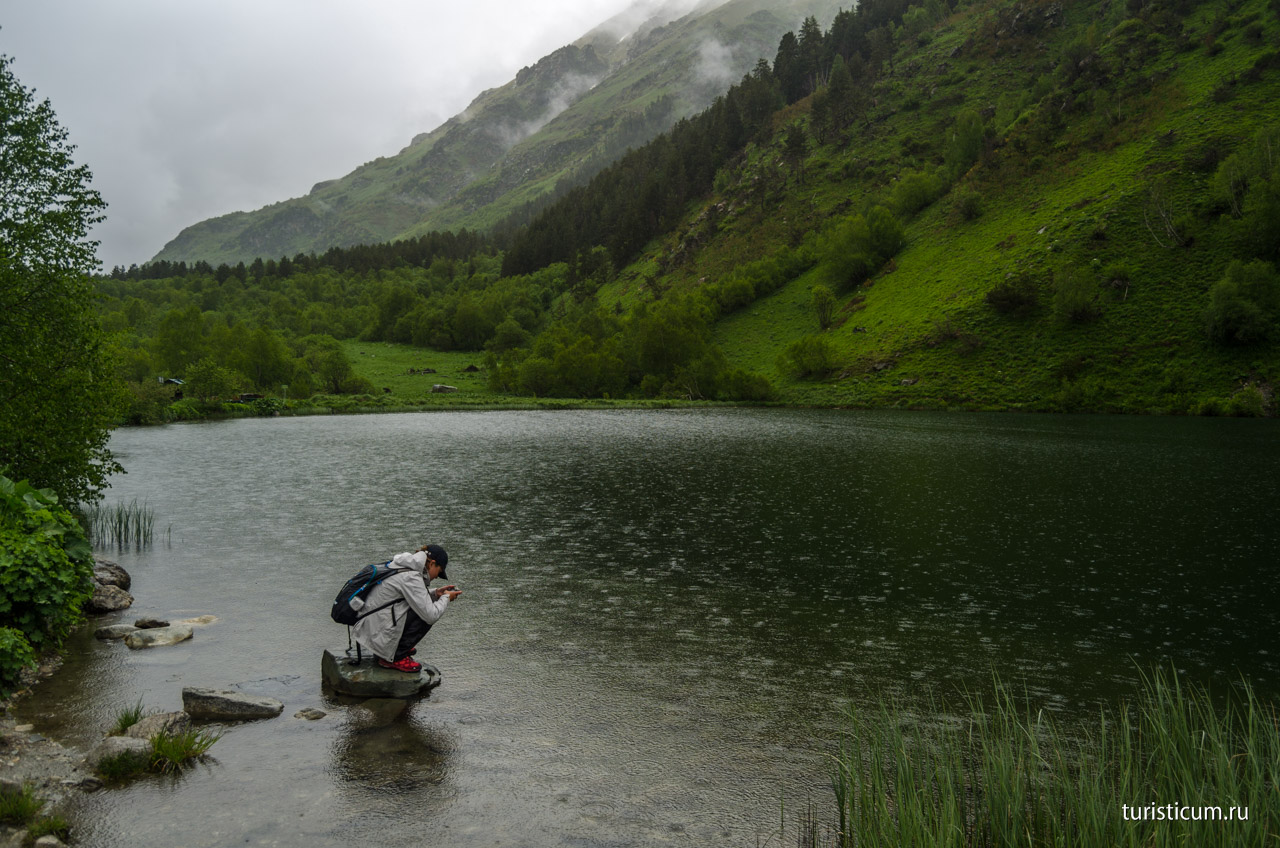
358, 588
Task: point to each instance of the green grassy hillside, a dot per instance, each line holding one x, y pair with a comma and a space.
1075, 182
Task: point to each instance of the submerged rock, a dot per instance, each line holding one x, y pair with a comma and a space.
368, 680
150, 623
158, 636
225, 705
114, 631
107, 598
198, 621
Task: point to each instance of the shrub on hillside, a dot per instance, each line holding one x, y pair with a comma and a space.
915, 191
856, 247
46, 571
811, 356
1075, 296
1015, 297
1244, 304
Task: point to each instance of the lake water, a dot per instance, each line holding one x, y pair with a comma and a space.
665, 613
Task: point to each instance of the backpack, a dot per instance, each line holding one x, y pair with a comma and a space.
348, 607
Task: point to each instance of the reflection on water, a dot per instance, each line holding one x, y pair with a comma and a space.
378, 749
663, 612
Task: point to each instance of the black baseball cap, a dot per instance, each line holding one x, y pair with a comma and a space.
441, 556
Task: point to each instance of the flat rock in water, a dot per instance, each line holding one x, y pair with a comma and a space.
225, 705
115, 631
198, 621
158, 636
168, 724
150, 623
368, 680
108, 599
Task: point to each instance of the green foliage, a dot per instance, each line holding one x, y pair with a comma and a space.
1244, 305
15, 655
1015, 296
123, 766
965, 143
208, 381
857, 246
968, 204
916, 190
20, 808
49, 826
824, 305
171, 752
1075, 296
57, 395
811, 356
1007, 773
125, 525
46, 565
127, 718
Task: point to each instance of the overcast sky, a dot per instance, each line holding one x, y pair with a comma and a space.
187, 109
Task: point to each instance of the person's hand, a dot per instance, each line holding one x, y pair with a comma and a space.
452, 593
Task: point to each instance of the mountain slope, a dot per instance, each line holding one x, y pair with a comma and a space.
557, 123
1108, 132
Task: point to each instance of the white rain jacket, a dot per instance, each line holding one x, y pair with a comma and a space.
381, 631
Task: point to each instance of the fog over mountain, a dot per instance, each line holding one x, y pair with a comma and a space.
184, 111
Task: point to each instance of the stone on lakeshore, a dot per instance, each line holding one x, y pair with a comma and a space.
113, 746
225, 705
158, 636
150, 623
109, 574
168, 724
441, 388
369, 680
107, 598
115, 631
49, 841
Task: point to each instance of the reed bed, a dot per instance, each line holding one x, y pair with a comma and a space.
1149, 773
123, 526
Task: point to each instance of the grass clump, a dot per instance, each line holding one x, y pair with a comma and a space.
22, 809
169, 753
126, 719
1172, 768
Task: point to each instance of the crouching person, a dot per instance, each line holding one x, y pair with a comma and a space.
409, 606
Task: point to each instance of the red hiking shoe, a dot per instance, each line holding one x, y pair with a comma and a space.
406, 665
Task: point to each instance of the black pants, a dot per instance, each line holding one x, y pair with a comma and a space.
414, 629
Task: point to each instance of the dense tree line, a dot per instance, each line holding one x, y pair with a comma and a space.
417, 252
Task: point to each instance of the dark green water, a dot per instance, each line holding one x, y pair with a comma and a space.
665, 612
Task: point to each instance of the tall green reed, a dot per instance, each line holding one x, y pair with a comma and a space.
123, 526
1005, 774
